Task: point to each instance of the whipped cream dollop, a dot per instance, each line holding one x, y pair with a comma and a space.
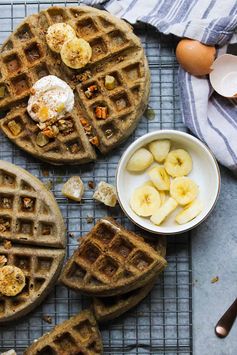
51, 98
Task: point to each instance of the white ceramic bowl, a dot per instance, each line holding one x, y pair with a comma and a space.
205, 173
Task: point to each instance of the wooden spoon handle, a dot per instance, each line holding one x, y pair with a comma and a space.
225, 323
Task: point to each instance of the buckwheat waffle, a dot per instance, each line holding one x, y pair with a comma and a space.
41, 268
107, 308
29, 220
77, 335
111, 260
25, 58
29, 213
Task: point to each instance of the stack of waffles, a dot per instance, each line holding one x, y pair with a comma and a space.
32, 234
116, 51
115, 266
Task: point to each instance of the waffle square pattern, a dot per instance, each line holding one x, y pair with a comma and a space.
78, 335
116, 51
111, 260
32, 234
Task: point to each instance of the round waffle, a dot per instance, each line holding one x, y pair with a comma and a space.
25, 58
32, 236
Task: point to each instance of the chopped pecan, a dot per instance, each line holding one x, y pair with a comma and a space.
101, 112
27, 203
91, 184
49, 132
65, 126
83, 121
95, 141
91, 91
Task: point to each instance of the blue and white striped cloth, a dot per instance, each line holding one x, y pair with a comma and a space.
208, 115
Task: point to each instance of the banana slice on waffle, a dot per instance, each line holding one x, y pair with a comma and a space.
76, 53
12, 280
58, 34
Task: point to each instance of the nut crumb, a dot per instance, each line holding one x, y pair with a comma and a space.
45, 173
7, 244
215, 279
89, 219
91, 184
71, 235
47, 319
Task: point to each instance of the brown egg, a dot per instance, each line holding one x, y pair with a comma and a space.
195, 57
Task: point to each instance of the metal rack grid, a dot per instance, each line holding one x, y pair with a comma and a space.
162, 323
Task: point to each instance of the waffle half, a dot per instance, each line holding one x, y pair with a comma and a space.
78, 335
107, 308
111, 260
25, 58
33, 236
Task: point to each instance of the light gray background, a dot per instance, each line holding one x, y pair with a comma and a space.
214, 248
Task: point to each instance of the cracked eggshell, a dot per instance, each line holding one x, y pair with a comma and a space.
223, 76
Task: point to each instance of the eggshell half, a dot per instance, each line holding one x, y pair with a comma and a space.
223, 76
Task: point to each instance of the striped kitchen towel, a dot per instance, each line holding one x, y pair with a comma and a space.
208, 115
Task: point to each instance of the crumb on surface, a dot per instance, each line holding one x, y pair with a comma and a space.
215, 279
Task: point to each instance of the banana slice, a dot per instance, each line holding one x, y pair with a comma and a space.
76, 53
189, 212
140, 160
12, 280
160, 215
58, 34
160, 178
145, 200
160, 149
163, 194
178, 163
184, 190
162, 197
148, 183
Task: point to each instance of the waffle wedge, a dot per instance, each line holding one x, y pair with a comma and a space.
116, 52
107, 308
77, 335
32, 238
41, 268
111, 260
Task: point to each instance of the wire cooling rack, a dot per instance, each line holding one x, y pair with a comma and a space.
162, 323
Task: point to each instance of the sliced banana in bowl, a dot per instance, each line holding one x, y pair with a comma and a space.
167, 182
